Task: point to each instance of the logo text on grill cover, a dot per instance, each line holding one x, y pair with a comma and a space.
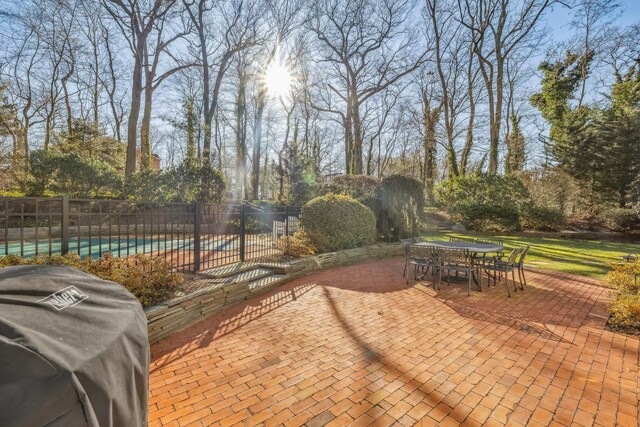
64, 298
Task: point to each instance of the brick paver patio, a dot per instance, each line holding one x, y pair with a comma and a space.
357, 345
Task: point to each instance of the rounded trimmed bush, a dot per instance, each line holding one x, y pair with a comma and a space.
335, 222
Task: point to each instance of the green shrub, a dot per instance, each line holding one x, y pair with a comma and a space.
148, 185
625, 312
622, 278
335, 222
554, 189
399, 207
12, 193
625, 308
541, 218
185, 183
621, 219
202, 183
484, 201
88, 141
489, 217
298, 245
53, 173
149, 278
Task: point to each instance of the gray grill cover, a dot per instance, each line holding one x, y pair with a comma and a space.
73, 350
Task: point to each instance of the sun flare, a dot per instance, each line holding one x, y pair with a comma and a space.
277, 78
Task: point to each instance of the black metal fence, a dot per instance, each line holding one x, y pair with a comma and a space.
192, 236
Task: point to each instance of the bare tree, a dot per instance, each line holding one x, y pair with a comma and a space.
110, 83
136, 20
473, 94
28, 88
592, 18
451, 70
497, 28
366, 46
622, 48
284, 16
241, 129
154, 78
223, 30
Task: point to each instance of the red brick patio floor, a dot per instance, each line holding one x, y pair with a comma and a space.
356, 345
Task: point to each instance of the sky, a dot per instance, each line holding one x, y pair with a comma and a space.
559, 20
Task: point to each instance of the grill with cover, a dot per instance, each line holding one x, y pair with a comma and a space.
73, 350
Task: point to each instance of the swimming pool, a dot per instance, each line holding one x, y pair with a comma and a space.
118, 246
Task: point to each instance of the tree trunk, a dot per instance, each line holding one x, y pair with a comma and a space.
191, 134
356, 152
348, 144
117, 119
134, 111
496, 119
493, 138
96, 85
48, 127
257, 142
213, 105
145, 130
468, 144
281, 153
67, 100
241, 143
430, 120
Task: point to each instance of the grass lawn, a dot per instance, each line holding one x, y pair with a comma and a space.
585, 257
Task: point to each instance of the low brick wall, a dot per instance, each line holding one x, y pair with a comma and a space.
176, 314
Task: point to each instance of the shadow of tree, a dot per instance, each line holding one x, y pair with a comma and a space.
204, 332
372, 355
574, 307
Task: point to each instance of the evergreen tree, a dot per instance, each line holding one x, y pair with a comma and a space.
599, 146
88, 141
618, 134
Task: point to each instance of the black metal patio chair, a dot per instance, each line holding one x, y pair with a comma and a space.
405, 246
458, 260
520, 263
422, 258
492, 242
506, 266
484, 258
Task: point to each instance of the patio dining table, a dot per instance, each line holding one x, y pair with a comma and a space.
477, 249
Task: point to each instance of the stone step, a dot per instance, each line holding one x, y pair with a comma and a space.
267, 281
280, 267
229, 270
249, 275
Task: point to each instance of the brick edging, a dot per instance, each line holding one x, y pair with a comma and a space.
171, 316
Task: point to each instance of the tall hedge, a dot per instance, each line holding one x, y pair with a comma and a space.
335, 222
400, 206
360, 187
